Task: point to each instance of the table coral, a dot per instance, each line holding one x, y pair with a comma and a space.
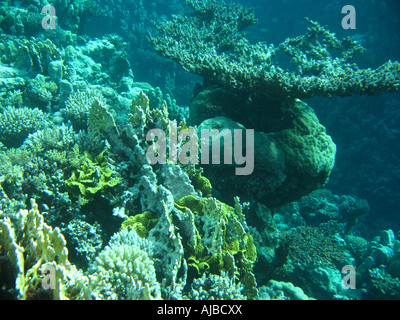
209, 42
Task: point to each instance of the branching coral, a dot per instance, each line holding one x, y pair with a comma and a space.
124, 269
209, 42
77, 107
31, 244
17, 123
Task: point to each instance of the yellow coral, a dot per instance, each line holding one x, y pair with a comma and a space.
37, 245
223, 244
92, 177
142, 223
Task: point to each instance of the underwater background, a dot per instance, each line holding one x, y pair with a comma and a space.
85, 216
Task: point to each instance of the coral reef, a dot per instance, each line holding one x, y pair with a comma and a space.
75, 111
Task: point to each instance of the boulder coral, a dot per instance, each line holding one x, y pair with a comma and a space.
289, 162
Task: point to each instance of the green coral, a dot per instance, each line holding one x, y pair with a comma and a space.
142, 223
199, 182
223, 242
93, 177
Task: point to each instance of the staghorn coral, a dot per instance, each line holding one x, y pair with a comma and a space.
209, 42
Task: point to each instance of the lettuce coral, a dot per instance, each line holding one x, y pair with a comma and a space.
94, 176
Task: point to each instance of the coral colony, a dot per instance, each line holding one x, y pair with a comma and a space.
110, 189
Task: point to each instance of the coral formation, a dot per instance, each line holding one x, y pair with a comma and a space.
220, 240
210, 42
92, 177
31, 245
114, 226
289, 162
17, 123
124, 269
